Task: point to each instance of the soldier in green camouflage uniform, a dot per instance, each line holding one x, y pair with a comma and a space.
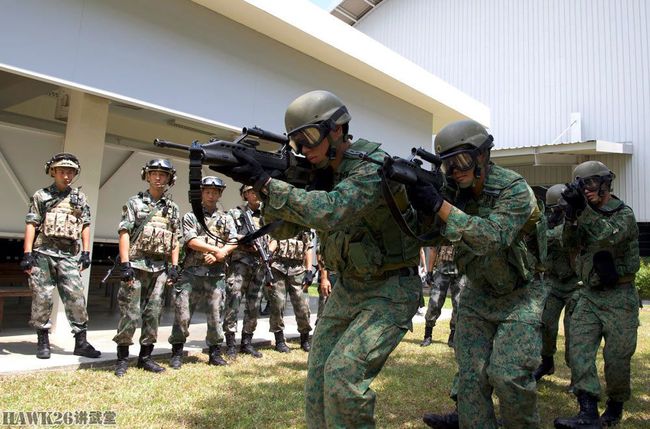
378, 289
292, 263
498, 235
445, 278
326, 279
604, 233
202, 278
149, 233
58, 217
562, 283
246, 277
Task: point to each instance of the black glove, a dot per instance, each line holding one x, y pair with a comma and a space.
28, 262
127, 272
173, 273
309, 278
429, 278
248, 172
84, 259
574, 197
425, 197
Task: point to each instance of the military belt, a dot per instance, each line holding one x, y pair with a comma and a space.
401, 272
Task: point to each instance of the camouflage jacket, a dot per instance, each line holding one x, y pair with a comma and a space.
560, 271
246, 254
496, 236
358, 235
45, 201
612, 228
221, 225
134, 213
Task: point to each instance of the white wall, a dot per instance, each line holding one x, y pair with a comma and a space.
533, 63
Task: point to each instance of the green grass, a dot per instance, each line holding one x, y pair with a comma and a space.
313, 291
268, 392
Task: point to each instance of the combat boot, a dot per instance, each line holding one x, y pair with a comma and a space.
613, 413
450, 340
280, 344
122, 363
176, 360
442, 421
231, 348
83, 347
247, 347
547, 367
428, 331
146, 362
587, 417
304, 342
215, 358
43, 344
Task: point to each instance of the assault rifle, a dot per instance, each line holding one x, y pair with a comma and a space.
260, 244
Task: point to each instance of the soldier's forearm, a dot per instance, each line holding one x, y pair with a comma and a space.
125, 243
85, 238
30, 233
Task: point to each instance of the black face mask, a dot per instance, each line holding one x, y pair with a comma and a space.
555, 216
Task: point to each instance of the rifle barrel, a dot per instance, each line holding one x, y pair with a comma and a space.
172, 145
266, 135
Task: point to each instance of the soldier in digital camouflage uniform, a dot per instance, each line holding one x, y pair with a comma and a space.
326, 279
562, 283
378, 289
292, 263
498, 232
149, 252
445, 278
604, 234
246, 277
58, 218
203, 274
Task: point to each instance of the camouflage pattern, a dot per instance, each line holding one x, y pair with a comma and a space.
609, 313
562, 283
442, 283
289, 271
369, 310
140, 301
57, 263
221, 225
498, 342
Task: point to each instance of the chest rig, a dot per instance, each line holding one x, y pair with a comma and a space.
156, 237
216, 224
63, 218
293, 248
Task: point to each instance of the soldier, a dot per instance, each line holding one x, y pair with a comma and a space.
604, 233
562, 282
292, 263
378, 289
445, 277
58, 217
246, 277
148, 240
202, 278
497, 229
326, 280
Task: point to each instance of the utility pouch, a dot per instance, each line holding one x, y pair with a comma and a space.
61, 225
364, 257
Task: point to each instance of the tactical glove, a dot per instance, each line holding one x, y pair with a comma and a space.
309, 278
574, 197
248, 172
425, 197
28, 262
84, 259
128, 273
173, 273
429, 278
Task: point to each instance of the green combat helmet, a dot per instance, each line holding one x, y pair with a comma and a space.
462, 133
553, 195
591, 169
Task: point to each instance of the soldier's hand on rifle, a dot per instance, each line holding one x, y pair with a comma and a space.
128, 274
248, 172
28, 262
425, 197
84, 260
573, 200
172, 274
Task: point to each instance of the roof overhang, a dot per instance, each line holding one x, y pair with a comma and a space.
565, 154
307, 28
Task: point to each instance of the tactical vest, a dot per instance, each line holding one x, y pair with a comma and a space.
293, 248
445, 254
64, 219
156, 237
217, 226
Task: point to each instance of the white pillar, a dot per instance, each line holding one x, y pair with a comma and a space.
85, 136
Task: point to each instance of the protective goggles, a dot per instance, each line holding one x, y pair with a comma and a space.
311, 135
592, 183
159, 164
212, 181
463, 160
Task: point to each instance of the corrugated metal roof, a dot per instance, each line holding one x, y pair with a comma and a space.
351, 11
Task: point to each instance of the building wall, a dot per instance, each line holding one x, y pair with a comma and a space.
533, 63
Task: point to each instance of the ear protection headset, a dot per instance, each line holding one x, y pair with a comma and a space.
73, 162
159, 165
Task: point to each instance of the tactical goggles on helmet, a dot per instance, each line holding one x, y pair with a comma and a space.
592, 183
464, 158
212, 181
311, 135
159, 165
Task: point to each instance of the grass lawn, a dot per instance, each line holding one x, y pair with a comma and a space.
268, 392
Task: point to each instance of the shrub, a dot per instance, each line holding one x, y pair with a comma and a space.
643, 279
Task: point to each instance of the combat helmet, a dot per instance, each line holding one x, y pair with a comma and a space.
460, 143
63, 159
553, 195
591, 169
159, 164
212, 181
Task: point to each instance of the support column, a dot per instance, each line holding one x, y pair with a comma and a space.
85, 137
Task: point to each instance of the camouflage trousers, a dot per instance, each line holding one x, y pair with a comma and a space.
190, 291
61, 273
557, 301
498, 347
441, 284
243, 280
614, 316
289, 281
140, 300
322, 299
361, 325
